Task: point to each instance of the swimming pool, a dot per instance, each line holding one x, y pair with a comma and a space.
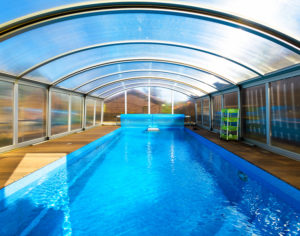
133, 182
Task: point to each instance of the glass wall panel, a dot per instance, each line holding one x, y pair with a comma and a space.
205, 109
114, 106
31, 113
6, 113
137, 101
90, 108
184, 105
254, 113
98, 111
59, 112
217, 106
285, 114
76, 112
230, 100
160, 100
199, 112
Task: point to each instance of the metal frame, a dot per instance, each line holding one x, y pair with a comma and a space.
48, 135
15, 113
142, 70
144, 77
201, 100
98, 105
172, 97
274, 149
210, 97
202, 111
139, 85
125, 101
139, 59
277, 75
85, 111
102, 111
268, 116
148, 99
82, 101
41, 18
281, 75
136, 42
17, 83
49, 105
224, 91
69, 113
94, 120
240, 112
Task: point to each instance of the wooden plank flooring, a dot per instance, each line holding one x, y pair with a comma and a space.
282, 167
18, 163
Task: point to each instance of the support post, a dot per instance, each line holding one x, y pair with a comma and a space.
202, 112
94, 119
196, 112
149, 102
240, 112
125, 102
102, 111
172, 98
84, 113
48, 120
15, 113
210, 112
268, 118
69, 113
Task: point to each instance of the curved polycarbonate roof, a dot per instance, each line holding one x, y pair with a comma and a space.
196, 47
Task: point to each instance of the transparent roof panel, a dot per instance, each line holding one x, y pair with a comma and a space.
142, 74
120, 93
19, 8
109, 94
103, 71
153, 81
150, 82
281, 15
179, 97
64, 66
53, 39
111, 87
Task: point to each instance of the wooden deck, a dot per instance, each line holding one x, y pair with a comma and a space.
282, 167
18, 163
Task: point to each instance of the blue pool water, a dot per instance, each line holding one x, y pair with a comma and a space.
148, 183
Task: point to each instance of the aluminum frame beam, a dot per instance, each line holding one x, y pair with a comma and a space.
151, 42
38, 19
135, 59
139, 85
144, 77
142, 70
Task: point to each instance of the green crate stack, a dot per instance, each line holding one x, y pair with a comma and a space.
230, 124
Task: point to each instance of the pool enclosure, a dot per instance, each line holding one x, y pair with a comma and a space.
67, 67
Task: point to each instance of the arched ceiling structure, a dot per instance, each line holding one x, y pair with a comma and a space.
100, 48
